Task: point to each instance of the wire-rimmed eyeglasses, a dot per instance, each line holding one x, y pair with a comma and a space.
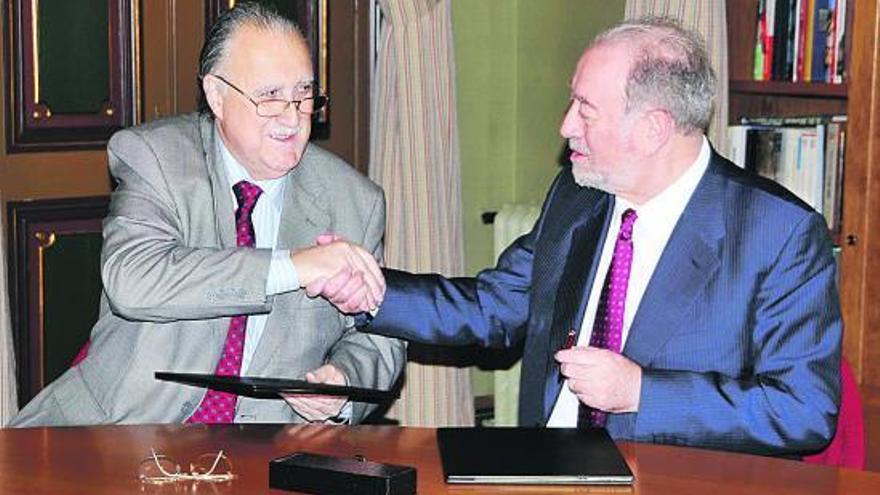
161, 469
275, 107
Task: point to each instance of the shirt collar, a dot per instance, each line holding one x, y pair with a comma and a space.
273, 189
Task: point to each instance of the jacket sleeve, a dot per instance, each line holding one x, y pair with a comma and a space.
148, 270
788, 403
490, 309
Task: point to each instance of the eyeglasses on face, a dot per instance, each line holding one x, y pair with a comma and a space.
160, 469
275, 107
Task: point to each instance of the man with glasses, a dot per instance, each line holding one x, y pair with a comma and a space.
209, 246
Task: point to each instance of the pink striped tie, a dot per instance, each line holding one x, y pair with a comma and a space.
219, 407
608, 325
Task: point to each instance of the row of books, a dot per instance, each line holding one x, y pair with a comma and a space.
800, 40
804, 154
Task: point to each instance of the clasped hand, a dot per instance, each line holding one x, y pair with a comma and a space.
344, 273
602, 379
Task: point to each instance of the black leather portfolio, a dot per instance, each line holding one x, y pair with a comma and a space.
271, 388
533, 456
316, 473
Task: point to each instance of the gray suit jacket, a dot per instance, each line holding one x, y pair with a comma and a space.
173, 277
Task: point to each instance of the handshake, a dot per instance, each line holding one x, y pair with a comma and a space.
344, 273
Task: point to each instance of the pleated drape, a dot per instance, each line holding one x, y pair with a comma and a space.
414, 156
8, 396
709, 18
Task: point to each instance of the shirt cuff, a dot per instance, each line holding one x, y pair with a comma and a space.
344, 416
282, 273
362, 320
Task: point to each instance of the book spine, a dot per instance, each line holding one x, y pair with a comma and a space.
839, 170
829, 189
769, 40
780, 35
831, 43
821, 19
800, 41
807, 69
736, 144
817, 169
840, 43
760, 28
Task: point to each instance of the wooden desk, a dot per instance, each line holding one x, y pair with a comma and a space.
105, 460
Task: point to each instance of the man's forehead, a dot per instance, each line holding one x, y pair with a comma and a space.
269, 59
580, 88
298, 83
601, 69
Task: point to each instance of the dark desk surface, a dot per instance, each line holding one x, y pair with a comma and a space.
105, 460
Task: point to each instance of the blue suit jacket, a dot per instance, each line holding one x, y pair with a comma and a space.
738, 332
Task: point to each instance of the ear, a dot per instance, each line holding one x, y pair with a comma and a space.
214, 95
657, 128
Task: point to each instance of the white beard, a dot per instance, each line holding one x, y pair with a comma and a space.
589, 178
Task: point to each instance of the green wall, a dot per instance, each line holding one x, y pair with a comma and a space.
514, 59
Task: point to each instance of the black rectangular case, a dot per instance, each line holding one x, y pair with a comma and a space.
316, 473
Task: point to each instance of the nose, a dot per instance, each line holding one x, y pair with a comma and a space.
291, 115
571, 122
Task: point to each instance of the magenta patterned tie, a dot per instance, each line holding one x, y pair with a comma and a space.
608, 325
219, 407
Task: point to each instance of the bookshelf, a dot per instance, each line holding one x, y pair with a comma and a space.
859, 99
781, 88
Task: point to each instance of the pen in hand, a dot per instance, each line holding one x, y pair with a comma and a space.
570, 341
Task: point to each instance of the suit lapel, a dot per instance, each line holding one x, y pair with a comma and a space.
578, 275
304, 216
224, 209
687, 264
581, 260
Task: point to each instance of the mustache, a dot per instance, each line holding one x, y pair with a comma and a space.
578, 148
282, 129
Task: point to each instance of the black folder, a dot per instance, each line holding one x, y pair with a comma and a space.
272, 388
531, 456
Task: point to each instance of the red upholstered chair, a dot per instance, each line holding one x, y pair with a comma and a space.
83, 352
847, 448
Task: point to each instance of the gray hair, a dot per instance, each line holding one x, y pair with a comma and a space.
670, 69
219, 37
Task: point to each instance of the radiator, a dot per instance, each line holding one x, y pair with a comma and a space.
511, 222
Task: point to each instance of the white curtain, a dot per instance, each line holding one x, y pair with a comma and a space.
414, 156
8, 396
709, 18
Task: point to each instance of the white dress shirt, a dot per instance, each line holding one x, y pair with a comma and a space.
651, 231
266, 218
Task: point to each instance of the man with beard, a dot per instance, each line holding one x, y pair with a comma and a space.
664, 293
